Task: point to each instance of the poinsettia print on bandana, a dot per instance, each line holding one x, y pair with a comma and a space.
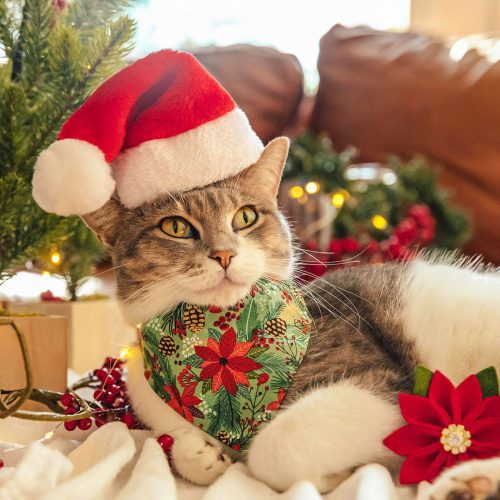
227, 370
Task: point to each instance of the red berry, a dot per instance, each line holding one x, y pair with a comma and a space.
84, 424
116, 373
351, 245
99, 422
371, 247
236, 447
336, 247
99, 394
214, 309
70, 411
71, 425
147, 374
101, 374
225, 326
165, 441
113, 389
109, 362
1, 463
109, 380
118, 402
129, 420
67, 399
263, 378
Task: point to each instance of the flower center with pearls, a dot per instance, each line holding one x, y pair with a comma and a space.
455, 439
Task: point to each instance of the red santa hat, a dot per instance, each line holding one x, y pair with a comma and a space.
161, 125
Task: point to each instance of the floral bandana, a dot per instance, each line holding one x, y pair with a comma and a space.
228, 370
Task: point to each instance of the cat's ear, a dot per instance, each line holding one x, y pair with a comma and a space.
106, 221
266, 173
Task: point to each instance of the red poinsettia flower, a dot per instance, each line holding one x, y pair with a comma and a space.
450, 425
184, 405
225, 362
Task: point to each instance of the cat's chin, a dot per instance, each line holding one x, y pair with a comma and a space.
224, 294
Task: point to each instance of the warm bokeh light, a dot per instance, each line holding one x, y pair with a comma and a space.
312, 187
296, 192
55, 258
339, 198
379, 222
124, 353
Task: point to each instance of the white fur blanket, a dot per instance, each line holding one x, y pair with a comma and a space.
115, 463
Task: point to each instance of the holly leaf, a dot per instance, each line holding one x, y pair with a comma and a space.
215, 334
206, 386
488, 380
423, 377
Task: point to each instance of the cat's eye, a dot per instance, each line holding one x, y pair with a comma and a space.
177, 227
244, 217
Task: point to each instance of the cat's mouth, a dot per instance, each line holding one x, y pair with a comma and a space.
226, 281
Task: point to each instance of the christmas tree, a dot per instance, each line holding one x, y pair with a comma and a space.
53, 54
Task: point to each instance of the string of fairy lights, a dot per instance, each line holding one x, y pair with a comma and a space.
302, 193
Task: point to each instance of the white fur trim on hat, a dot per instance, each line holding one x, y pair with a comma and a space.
211, 152
72, 178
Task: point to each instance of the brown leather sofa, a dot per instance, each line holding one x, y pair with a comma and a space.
386, 93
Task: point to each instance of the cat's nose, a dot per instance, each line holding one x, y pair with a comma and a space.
223, 257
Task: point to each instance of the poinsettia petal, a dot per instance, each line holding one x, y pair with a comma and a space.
217, 381
212, 344
210, 370
228, 380
227, 343
470, 397
242, 348
476, 452
172, 391
206, 353
420, 411
187, 415
242, 364
240, 378
422, 467
174, 404
490, 407
410, 439
441, 392
486, 432
188, 398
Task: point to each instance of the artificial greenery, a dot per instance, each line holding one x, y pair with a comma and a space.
313, 159
52, 56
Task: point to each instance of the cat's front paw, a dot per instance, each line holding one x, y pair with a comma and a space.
474, 480
197, 460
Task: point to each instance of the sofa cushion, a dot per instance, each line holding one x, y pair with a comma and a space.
266, 83
402, 93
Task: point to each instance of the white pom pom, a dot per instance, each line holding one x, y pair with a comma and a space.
72, 177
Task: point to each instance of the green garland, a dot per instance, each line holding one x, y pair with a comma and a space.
313, 159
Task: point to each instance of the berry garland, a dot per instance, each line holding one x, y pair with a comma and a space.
110, 402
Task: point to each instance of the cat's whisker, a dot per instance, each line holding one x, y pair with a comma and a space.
353, 309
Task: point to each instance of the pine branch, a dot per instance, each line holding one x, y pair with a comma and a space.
84, 15
74, 80
37, 30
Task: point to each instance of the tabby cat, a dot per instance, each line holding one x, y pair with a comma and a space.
373, 324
